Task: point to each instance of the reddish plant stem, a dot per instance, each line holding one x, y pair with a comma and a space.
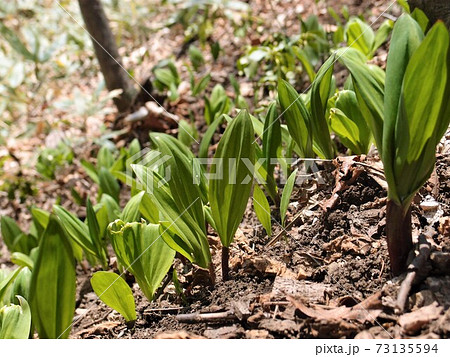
212, 273
399, 236
225, 263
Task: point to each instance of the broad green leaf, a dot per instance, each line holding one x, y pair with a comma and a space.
10, 232
286, 195
207, 137
141, 250
148, 209
15, 320
347, 108
52, 299
360, 36
131, 212
20, 286
40, 219
406, 38
76, 230
271, 138
347, 131
184, 186
14, 238
416, 137
320, 92
230, 185
262, 208
369, 92
186, 132
114, 292
420, 18
271, 146
6, 283
381, 35
112, 207
297, 117
95, 234
180, 230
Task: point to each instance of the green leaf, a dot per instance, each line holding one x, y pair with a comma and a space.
262, 208
207, 137
185, 184
420, 18
369, 92
40, 219
104, 158
286, 195
229, 192
406, 38
297, 117
95, 234
16, 43
112, 207
141, 250
114, 292
75, 229
15, 320
10, 232
108, 184
91, 170
201, 85
416, 138
186, 132
347, 122
14, 238
131, 212
360, 36
52, 289
196, 57
271, 141
20, 286
320, 92
5, 285
381, 35
22, 260
181, 231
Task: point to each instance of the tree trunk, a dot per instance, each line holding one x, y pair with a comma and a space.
399, 236
106, 52
434, 9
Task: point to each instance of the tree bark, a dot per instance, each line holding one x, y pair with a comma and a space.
434, 9
399, 236
106, 52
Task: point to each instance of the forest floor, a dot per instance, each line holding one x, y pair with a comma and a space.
325, 275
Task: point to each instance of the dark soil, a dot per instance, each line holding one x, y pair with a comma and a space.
333, 258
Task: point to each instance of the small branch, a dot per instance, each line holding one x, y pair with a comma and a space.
214, 317
413, 273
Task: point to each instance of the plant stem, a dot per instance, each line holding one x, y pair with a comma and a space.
399, 236
225, 263
212, 273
